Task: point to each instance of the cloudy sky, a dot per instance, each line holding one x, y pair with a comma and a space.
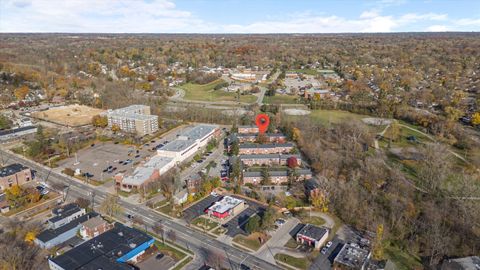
238, 16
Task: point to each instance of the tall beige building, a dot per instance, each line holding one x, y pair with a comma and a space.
135, 119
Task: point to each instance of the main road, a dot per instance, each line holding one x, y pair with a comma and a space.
185, 236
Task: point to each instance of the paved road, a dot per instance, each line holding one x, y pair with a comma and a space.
186, 237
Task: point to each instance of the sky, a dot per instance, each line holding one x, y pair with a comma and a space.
238, 16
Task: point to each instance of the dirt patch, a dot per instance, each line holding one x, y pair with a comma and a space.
296, 112
71, 115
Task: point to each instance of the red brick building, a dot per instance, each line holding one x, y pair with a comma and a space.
268, 148
14, 174
94, 227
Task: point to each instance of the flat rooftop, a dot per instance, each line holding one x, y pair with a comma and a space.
50, 234
276, 173
198, 131
103, 251
352, 255
313, 231
225, 204
265, 145
64, 211
262, 156
143, 172
12, 169
188, 137
16, 130
132, 112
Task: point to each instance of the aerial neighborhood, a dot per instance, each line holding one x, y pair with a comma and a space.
350, 151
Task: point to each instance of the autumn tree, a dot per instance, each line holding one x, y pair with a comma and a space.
21, 92
319, 201
100, 121
111, 206
476, 119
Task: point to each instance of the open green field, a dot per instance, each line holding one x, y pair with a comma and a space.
206, 92
327, 117
300, 263
280, 99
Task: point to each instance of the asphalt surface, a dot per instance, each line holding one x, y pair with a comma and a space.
186, 237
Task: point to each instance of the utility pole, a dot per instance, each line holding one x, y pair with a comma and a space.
92, 194
229, 261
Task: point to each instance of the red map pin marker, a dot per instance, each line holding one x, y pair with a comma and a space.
262, 121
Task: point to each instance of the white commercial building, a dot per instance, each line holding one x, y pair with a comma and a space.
188, 142
145, 173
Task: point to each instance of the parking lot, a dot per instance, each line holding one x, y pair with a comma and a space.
325, 261
97, 159
237, 224
198, 209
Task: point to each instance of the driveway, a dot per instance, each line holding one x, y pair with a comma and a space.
277, 242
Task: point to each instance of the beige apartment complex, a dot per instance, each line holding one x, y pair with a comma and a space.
135, 119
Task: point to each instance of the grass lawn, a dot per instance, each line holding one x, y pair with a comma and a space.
327, 117
205, 223
170, 251
301, 263
166, 209
205, 92
182, 264
280, 99
403, 260
250, 241
220, 230
313, 220
291, 243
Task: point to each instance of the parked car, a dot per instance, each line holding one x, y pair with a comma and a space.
280, 221
329, 244
42, 190
159, 256
324, 250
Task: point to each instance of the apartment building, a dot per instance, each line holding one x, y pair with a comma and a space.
253, 137
248, 129
135, 119
276, 177
14, 174
268, 148
268, 159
